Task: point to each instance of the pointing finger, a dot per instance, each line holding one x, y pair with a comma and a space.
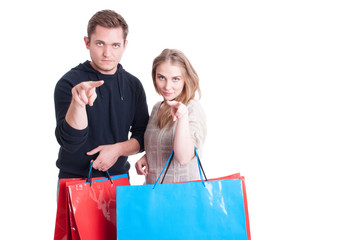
83, 97
92, 98
172, 103
96, 83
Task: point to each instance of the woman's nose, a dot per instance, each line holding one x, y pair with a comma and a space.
168, 85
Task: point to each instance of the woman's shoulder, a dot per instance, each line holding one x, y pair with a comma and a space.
156, 107
194, 104
194, 107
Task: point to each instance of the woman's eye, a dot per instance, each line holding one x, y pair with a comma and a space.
161, 78
176, 79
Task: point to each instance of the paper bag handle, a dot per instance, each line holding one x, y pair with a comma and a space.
169, 161
89, 180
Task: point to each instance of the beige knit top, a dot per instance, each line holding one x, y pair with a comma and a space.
158, 145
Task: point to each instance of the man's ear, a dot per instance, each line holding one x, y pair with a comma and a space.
87, 42
125, 43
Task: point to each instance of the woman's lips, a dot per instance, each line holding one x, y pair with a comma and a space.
167, 93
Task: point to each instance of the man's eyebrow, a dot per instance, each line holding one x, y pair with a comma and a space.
101, 41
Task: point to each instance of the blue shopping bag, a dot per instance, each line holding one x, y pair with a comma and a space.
190, 210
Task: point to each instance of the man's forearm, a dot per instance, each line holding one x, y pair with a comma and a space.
129, 147
76, 116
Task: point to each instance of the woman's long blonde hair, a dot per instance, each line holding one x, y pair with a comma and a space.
191, 83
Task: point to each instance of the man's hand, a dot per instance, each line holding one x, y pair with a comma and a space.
84, 93
108, 155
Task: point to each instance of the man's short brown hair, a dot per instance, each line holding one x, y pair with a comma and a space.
107, 19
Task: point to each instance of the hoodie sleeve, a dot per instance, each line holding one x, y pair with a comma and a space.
141, 117
70, 139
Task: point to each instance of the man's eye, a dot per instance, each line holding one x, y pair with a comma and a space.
116, 45
99, 44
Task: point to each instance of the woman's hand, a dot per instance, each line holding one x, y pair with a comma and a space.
142, 166
178, 109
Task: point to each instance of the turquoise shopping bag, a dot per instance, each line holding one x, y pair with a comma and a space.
190, 210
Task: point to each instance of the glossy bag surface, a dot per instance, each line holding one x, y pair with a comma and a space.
214, 209
64, 219
62, 222
92, 207
189, 210
245, 202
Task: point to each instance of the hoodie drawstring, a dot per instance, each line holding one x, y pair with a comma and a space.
119, 88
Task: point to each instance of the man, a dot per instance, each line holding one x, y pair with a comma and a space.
97, 103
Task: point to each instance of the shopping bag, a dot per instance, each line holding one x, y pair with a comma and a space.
238, 176
65, 225
62, 223
92, 208
212, 209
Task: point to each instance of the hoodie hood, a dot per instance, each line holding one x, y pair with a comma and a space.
87, 67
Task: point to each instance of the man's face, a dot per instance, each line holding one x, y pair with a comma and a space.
106, 47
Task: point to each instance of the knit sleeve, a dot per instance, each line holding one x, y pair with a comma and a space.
197, 123
141, 117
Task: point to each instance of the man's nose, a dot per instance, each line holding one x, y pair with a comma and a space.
106, 51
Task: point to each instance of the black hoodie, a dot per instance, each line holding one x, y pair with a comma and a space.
120, 107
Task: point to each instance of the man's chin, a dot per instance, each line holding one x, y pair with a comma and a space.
106, 69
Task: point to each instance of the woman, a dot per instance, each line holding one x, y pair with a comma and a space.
178, 123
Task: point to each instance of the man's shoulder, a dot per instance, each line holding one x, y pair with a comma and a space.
74, 76
132, 80
129, 76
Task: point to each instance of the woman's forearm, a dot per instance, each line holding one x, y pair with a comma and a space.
183, 143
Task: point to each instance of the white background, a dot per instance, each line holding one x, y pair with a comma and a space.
281, 89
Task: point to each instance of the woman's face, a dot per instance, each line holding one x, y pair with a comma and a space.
169, 80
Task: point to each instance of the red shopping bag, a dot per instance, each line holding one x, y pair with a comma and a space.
92, 208
62, 222
72, 231
74, 210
